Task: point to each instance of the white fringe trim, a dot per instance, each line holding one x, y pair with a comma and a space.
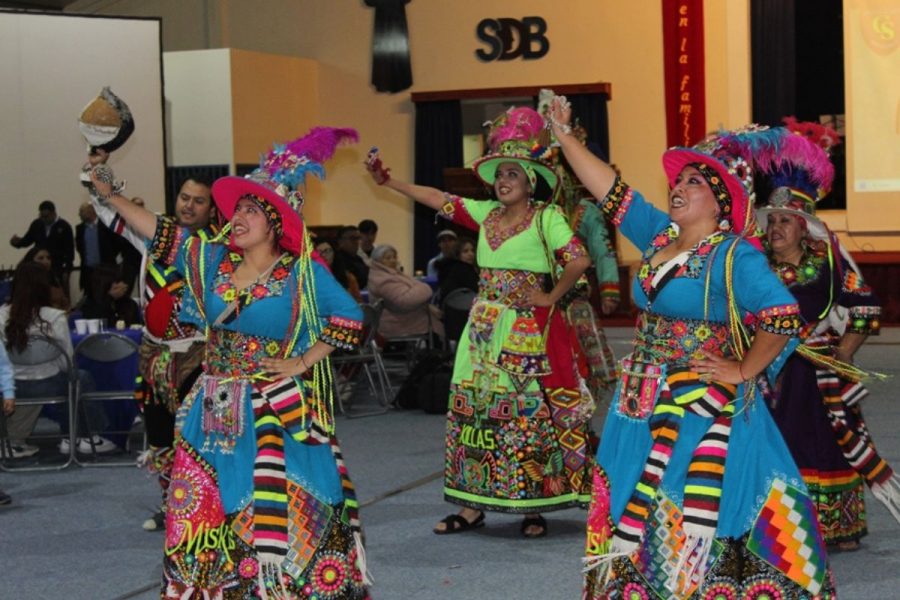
270, 570
698, 546
602, 563
888, 493
361, 562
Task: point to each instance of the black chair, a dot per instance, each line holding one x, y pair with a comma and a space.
456, 306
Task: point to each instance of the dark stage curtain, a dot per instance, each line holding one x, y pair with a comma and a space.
590, 110
773, 55
438, 145
391, 70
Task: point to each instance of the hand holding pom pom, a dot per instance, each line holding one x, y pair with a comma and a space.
379, 173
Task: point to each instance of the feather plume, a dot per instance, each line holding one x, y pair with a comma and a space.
522, 124
290, 163
823, 136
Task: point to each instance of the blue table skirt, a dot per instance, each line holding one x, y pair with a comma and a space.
115, 376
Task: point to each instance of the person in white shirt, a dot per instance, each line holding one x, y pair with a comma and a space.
29, 314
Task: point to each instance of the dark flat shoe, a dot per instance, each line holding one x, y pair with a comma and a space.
457, 524
537, 521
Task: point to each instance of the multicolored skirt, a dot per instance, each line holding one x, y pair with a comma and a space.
695, 494
252, 512
518, 437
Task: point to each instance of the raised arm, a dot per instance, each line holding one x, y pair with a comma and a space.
429, 196
141, 220
596, 175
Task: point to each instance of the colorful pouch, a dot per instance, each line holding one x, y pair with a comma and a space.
640, 384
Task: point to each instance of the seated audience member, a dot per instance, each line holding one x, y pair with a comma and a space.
447, 241
8, 387
107, 298
407, 308
347, 249
28, 314
458, 270
40, 255
368, 231
339, 269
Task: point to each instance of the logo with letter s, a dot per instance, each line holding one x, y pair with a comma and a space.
507, 39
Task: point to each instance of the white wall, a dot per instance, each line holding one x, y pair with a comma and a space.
198, 107
51, 67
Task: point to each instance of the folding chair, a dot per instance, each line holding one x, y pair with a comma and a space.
105, 347
368, 354
42, 350
455, 307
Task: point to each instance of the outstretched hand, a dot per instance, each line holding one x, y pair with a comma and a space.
560, 114
376, 169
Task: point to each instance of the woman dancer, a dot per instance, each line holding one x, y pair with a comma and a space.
702, 498
817, 401
259, 503
515, 440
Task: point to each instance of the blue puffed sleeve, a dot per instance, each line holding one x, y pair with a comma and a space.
637, 219
340, 315
759, 291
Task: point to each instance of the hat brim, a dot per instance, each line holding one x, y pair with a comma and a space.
486, 169
228, 190
676, 159
816, 228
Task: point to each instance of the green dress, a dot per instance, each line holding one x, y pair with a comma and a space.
517, 430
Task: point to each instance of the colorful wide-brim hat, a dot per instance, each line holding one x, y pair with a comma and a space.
275, 184
515, 137
800, 172
731, 180
794, 202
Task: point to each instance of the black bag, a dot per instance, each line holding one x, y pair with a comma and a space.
434, 390
430, 362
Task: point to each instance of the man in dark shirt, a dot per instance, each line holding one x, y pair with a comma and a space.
96, 244
53, 233
348, 252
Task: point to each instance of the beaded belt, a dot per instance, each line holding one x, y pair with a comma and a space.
676, 341
509, 286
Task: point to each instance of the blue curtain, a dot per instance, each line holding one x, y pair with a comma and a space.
439, 144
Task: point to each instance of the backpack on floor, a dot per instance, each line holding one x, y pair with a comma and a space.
429, 362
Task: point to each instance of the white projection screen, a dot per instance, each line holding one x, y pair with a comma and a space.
51, 66
872, 79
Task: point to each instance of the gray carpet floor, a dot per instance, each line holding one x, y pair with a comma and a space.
76, 534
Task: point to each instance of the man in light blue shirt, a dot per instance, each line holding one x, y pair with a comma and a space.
8, 389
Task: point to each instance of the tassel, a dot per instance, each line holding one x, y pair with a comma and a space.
698, 545
270, 570
361, 562
602, 563
888, 493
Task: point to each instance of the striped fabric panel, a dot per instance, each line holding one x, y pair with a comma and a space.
706, 473
287, 402
859, 450
270, 500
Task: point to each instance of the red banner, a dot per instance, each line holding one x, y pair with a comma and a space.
684, 71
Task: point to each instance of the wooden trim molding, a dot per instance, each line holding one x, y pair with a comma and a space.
512, 92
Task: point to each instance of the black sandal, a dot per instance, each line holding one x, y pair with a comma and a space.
457, 524
537, 521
